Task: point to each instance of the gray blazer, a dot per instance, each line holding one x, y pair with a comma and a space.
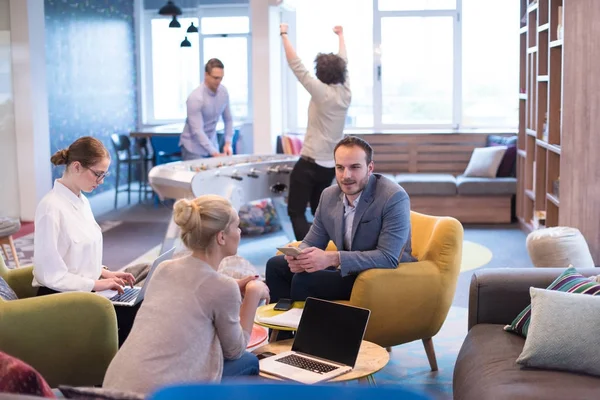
380, 231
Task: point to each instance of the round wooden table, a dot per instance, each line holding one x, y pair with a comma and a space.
371, 358
267, 311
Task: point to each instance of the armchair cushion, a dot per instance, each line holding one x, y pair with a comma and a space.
6, 293
20, 378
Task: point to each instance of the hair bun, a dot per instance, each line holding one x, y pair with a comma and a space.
184, 212
61, 157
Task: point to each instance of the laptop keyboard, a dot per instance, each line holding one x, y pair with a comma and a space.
307, 364
128, 295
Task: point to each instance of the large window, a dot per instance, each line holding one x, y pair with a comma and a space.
172, 72
418, 63
314, 34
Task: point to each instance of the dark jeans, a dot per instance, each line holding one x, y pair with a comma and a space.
307, 182
246, 365
125, 315
327, 284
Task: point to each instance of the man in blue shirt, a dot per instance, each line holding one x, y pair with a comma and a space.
205, 105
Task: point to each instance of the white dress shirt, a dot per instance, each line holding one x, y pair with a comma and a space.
67, 252
349, 213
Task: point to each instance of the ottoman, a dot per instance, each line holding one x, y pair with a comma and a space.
560, 247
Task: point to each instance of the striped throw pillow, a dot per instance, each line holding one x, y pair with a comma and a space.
569, 281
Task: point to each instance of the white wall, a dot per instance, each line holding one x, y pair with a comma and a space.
9, 199
266, 75
30, 104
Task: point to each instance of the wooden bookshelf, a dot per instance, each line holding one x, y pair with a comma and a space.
580, 175
540, 104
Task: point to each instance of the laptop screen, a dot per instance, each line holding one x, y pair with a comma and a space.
331, 331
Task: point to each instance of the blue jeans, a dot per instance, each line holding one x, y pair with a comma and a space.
246, 365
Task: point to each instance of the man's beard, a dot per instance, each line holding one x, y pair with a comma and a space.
361, 185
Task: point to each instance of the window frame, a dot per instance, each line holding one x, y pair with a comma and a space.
457, 98
146, 70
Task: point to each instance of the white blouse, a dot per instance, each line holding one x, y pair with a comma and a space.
67, 252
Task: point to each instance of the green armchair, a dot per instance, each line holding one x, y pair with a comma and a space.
69, 338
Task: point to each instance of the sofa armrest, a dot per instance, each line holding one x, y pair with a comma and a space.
69, 338
497, 296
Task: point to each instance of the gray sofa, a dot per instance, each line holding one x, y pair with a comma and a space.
469, 199
486, 367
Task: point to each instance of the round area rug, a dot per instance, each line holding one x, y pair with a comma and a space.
474, 256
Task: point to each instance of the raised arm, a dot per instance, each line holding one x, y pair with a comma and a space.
315, 87
338, 30
196, 122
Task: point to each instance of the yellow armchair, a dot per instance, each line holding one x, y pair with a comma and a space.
412, 301
69, 338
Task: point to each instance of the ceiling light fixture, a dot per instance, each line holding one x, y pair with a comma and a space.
186, 43
192, 29
170, 9
174, 23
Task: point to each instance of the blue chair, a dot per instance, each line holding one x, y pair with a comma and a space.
166, 149
287, 391
234, 140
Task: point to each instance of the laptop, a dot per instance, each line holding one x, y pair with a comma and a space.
326, 344
133, 295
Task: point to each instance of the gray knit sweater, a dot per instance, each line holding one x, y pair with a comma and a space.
187, 325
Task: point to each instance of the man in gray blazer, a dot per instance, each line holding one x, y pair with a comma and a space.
368, 218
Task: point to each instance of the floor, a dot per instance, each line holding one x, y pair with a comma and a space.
408, 363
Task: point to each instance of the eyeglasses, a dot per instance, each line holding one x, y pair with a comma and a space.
99, 175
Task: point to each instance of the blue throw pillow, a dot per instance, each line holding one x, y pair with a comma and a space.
6, 292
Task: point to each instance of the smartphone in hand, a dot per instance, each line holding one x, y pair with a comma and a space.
290, 251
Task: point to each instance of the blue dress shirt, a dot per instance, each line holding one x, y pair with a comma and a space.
204, 107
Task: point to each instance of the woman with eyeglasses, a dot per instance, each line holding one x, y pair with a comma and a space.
67, 240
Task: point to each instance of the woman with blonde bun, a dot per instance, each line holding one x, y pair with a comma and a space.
67, 253
194, 324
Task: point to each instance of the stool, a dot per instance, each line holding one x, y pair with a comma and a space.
122, 146
559, 247
8, 227
145, 150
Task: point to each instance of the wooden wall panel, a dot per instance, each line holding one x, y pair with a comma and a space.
425, 153
580, 152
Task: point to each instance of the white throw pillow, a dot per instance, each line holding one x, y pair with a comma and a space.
563, 333
485, 161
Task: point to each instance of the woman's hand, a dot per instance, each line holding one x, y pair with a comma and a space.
109, 284
124, 278
242, 283
259, 289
